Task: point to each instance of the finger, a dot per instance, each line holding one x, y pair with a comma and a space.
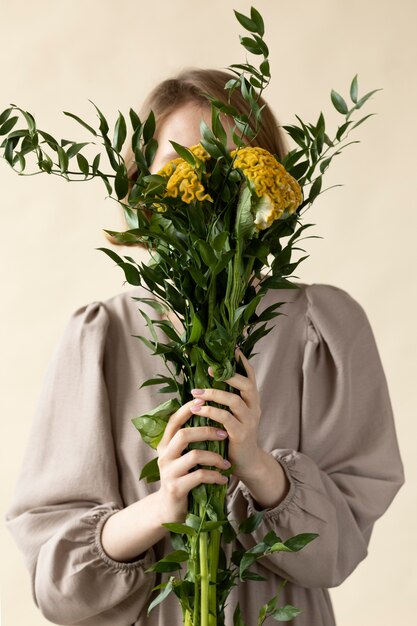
184, 436
243, 383
176, 421
248, 367
182, 465
232, 423
232, 400
193, 479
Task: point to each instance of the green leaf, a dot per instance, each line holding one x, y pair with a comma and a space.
22, 132
131, 273
251, 45
246, 561
286, 613
194, 521
184, 153
152, 425
178, 556
104, 127
257, 18
8, 125
51, 141
46, 164
63, 159
315, 189
120, 132
8, 150
75, 148
150, 150
149, 127
325, 164
219, 242
280, 547
5, 115
200, 495
29, 120
338, 102
121, 183
96, 163
196, 329
217, 126
213, 525
362, 101
298, 542
246, 22
265, 69
161, 596
207, 254
362, 120
300, 169
244, 224
237, 616
150, 471
134, 119
182, 529
80, 121
22, 161
354, 89
342, 129
252, 522
82, 164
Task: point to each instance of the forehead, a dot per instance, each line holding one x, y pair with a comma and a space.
183, 125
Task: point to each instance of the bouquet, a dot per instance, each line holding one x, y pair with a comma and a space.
212, 220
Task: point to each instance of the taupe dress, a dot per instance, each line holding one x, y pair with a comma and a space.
326, 417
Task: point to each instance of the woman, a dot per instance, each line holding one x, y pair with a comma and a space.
310, 431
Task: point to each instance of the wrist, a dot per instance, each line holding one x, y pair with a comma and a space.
267, 481
258, 467
168, 508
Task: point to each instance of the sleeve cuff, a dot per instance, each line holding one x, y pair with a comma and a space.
101, 514
273, 512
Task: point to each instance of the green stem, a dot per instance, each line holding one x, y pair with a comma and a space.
213, 564
204, 577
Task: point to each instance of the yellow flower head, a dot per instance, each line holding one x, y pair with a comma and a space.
278, 191
183, 180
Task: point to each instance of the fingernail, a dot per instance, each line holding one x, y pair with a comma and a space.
198, 401
196, 407
197, 392
226, 463
224, 479
221, 433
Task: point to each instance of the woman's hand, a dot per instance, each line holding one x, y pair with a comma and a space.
263, 475
176, 480
240, 419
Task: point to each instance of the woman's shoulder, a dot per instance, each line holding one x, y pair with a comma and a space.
95, 317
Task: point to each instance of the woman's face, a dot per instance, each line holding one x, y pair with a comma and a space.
183, 127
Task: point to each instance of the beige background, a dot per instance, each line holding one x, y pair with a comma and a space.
54, 56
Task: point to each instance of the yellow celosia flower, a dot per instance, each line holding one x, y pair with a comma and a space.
278, 191
183, 180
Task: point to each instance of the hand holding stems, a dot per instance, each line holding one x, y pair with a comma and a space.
262, 474
176, 479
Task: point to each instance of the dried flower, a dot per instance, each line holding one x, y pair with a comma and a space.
278, 191
183, 178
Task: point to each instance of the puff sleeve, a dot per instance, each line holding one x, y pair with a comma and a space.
68, 486
348, 468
